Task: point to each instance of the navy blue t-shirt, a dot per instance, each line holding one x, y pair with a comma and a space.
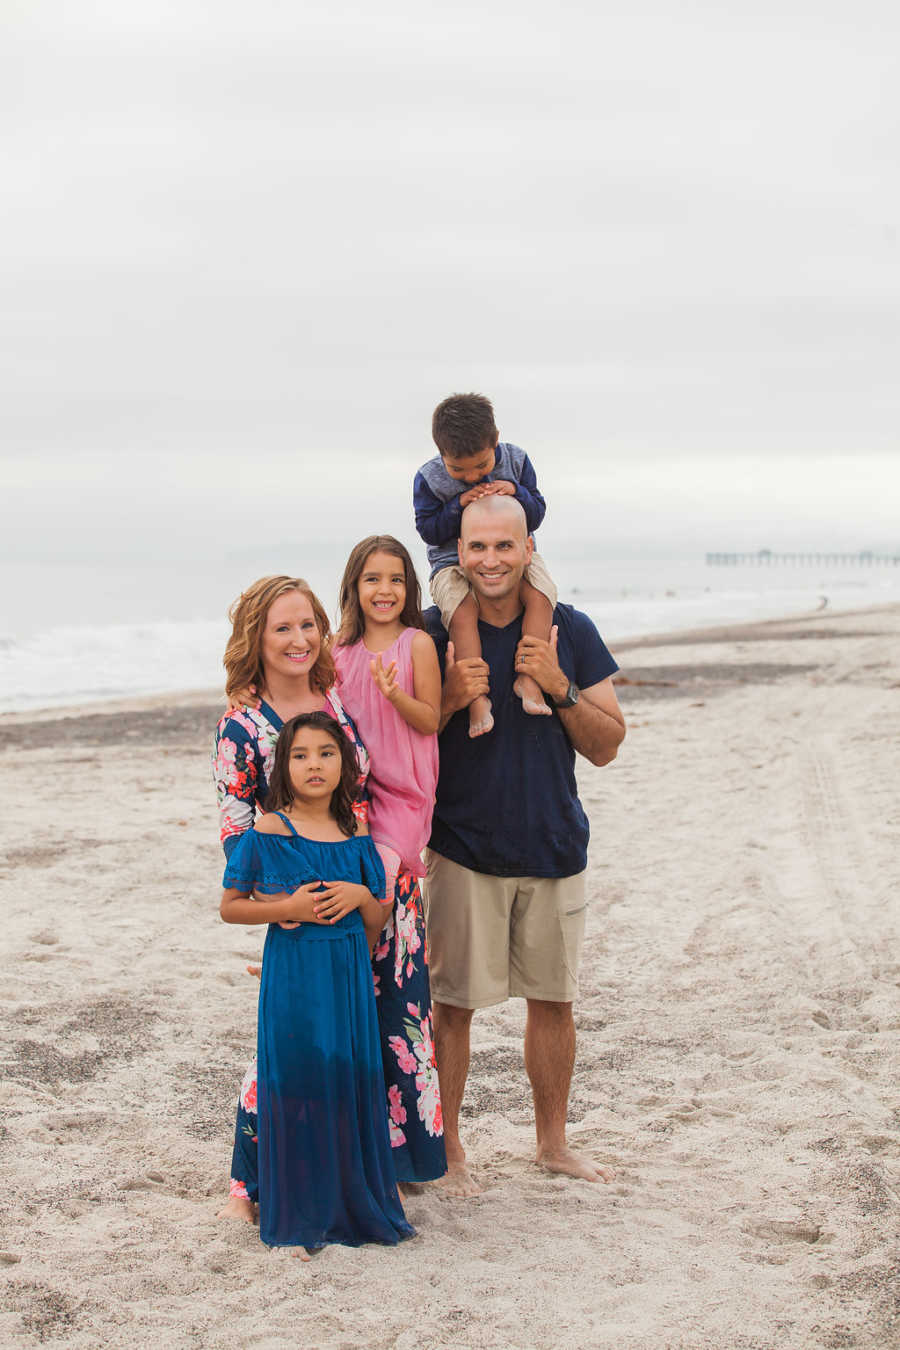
507, 803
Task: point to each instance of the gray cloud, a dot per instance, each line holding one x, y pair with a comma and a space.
251, 237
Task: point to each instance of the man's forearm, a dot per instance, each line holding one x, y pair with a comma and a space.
593, 733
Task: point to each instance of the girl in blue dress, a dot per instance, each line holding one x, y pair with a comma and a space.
307, 870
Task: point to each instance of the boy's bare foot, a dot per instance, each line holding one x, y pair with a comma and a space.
238, 1207
255, 970
533, 701
481, 719
571, 1164
458, 1180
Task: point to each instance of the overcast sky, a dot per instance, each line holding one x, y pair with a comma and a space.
246, 248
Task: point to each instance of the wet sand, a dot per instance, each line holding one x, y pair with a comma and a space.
739, 1030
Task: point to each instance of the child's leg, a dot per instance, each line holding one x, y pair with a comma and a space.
536, 622
466, 642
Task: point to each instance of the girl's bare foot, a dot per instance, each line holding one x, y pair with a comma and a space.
533, 701
238, 1207
481, 719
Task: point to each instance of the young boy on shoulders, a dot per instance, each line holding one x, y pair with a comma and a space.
473, 462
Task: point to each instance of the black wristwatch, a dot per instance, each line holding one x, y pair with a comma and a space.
572, 696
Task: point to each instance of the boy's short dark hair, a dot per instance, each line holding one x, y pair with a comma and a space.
463, 426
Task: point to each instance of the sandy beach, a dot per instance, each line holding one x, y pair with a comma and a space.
739, 1040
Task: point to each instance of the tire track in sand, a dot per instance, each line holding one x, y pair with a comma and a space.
835, 840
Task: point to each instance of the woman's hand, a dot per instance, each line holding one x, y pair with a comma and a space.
338, 899
385, 679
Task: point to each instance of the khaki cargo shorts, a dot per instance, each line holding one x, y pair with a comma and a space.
449, 587
493, 938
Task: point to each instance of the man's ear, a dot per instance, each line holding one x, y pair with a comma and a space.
459, 550
529, 549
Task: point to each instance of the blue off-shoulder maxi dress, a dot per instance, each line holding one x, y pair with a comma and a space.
326, 1173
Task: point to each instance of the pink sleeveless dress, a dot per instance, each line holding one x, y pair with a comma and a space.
403, 762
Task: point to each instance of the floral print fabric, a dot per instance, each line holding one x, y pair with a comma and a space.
400, 969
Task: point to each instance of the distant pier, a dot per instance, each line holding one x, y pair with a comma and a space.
764, 557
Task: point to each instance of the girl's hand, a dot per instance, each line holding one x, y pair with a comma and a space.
240, 697
385, 679
301, 904
338, 899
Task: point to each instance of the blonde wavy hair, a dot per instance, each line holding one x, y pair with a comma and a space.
243, 654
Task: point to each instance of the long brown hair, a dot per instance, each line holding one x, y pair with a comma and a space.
243, 653
280, 796
352, 623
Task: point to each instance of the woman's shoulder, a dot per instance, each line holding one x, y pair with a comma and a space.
240, 724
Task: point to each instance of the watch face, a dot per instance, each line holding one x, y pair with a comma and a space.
571, 697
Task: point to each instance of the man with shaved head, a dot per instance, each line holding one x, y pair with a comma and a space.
505, 893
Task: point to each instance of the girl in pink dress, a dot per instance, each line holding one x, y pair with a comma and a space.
388, 670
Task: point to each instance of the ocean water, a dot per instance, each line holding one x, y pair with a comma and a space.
55, 652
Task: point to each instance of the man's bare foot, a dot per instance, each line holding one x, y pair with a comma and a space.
533, 701
571, 1164
481, 719
238, 1207
458, 1180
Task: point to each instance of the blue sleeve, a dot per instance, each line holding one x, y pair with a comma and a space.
593, 660
230, 843
372, 868
529, 498
243, 866
436, 521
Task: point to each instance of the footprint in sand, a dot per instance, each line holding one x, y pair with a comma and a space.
786, 1230
9, 1259
148, 1183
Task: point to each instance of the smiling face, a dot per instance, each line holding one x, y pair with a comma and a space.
382, 588
494, 547
291, 641
474, 468
314, 764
